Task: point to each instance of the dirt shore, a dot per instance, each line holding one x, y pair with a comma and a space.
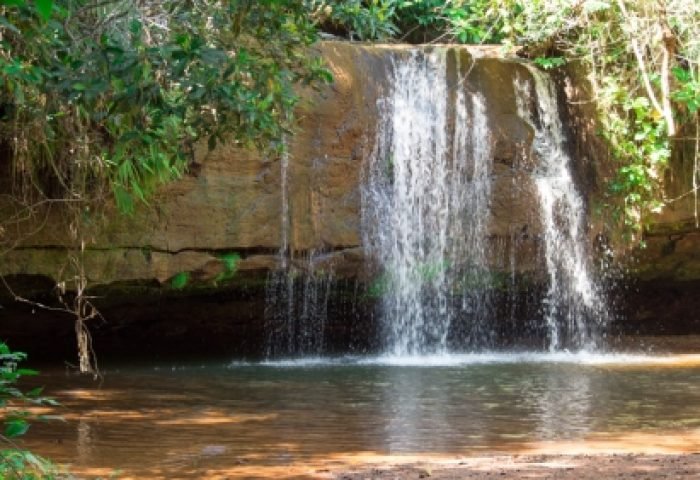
555, 467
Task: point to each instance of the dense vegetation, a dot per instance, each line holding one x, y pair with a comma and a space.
112, 97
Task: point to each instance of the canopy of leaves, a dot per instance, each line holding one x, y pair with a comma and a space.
112, 96
416, 21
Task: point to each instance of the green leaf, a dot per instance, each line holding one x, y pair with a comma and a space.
681, 74
15, 428
35, 392
548, 63
44, 7
180, 280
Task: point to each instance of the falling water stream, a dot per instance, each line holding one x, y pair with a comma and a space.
426, 211
296, 293
574, 306
425, 206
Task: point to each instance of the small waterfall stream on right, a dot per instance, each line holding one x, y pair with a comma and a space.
427, 201
574, 307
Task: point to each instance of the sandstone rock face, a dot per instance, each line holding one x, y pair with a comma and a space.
233, 203
217, 231
673, 238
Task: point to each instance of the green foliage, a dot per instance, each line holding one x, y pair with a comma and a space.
549, 63
180, 280
687, 92
117, 95
472, 21
230, 262
356, 19
16, 462
638, 135
643, 61
463, 21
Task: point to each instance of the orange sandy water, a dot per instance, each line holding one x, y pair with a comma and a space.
296, 421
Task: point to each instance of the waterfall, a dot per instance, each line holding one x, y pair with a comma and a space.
425, 206
296, 294
444, 281
279, 291
574, 306
426, 203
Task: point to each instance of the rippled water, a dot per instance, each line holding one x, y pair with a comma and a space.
251, 420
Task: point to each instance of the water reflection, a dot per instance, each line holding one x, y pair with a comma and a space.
411, 407
186, 422
85, 442
563, 406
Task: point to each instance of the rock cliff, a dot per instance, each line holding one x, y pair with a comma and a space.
193, 264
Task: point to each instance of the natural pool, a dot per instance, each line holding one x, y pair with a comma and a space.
248, 420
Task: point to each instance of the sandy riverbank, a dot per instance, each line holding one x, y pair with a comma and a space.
555, 467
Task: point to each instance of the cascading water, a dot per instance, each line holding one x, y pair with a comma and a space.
426, 210
425, 206
574, 307
279, 294
296, 293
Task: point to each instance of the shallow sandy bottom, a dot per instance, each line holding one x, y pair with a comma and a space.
635, 456
559, 467
627, 466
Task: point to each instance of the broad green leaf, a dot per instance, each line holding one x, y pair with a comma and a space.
35, 392
44, 7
